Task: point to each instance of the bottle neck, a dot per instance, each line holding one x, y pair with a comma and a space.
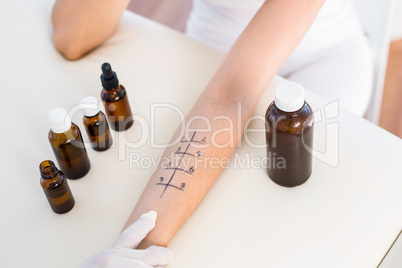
48, 169
111, 89
92, 116
111, 83
290, 112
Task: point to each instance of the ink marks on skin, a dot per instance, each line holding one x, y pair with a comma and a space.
186, 154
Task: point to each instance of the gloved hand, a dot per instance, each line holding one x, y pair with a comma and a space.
123, 254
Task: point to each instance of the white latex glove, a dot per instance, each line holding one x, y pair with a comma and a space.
123, 254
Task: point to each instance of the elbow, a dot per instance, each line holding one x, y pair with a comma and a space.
68, 45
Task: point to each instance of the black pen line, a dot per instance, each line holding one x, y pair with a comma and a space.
174, 172
170, 185
181, 170
185, 153
193, 141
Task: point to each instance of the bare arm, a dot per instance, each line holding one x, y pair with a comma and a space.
253, 60
81, 25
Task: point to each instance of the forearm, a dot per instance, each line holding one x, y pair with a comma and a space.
81, 25
246, 71
175, 193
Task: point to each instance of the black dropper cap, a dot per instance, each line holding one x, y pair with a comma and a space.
108, 77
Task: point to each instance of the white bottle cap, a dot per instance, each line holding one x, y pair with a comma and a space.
59, 120
90, 106
289, 96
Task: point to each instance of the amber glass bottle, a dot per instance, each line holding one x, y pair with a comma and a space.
289, 134
115, 100
66, 141
96, 125
56, 188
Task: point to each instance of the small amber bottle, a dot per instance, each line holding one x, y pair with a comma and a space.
66, 141
56, 188
96, 124
115, 100
289, 134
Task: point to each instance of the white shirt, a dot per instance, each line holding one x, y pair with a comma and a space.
219, 23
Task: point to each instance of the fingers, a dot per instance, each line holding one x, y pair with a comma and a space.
134, 234
125, 263
157, 256
123, 253
152, 256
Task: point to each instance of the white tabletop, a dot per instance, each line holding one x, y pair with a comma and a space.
347, 215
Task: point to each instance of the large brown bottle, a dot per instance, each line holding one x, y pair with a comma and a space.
56, 188
115, 100
289, 135
96, 125
66, 142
